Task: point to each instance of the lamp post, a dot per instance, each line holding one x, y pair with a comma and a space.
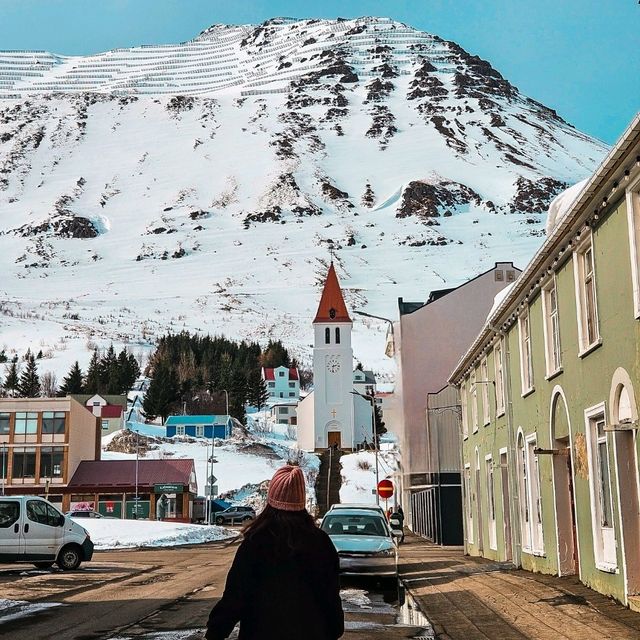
210, 462
4, 465
371, 399
135, 505
388, 321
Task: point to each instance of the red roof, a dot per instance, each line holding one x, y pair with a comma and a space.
122, 473
270, 375
332, 307
111, 411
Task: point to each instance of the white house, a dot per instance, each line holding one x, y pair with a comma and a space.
282, 383
333, 413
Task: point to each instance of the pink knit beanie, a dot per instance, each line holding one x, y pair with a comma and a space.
286, 489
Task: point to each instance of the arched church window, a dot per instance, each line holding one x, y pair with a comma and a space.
327, 335
337, 335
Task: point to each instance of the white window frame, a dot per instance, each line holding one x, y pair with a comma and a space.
179, 429
105, 425
633, 217
491, 502
199, 431
468, 503
498, 364
585, 345
604, 537
464, 410
551, 326
526, 355
486, 410
474, 402
531, 519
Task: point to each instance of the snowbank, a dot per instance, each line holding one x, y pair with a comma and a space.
359, 474
16, 609
109, 533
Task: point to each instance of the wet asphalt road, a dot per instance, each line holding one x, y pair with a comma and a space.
165, 594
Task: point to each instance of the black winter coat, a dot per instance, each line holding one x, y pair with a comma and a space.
277, 595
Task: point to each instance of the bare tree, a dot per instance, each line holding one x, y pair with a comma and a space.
49, 384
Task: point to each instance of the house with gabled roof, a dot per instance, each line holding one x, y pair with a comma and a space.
283, 383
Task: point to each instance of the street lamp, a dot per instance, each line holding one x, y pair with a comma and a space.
388, 351
371, 399
211, 460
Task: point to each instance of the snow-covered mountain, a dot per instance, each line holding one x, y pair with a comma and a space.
202, 185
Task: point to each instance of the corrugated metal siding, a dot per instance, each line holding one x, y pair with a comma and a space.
443, 415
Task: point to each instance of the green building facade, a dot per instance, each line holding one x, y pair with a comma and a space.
550, 442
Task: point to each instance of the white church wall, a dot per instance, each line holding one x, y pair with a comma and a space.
305, 423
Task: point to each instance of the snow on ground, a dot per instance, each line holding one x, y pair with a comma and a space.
112, 533
359, 474
16, 609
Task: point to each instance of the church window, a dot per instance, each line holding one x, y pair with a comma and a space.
337, 335
327, 335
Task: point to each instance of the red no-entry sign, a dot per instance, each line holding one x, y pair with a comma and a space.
385, 489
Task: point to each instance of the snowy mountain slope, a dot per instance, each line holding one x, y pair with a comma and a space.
201, 185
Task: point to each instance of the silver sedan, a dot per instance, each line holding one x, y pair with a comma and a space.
364, 542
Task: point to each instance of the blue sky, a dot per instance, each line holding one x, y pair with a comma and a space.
580, 57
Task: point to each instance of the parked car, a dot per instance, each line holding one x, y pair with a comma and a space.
80, 513
370, 507
364, 542
32, 530
233, 515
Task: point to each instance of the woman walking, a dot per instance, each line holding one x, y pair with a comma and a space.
284, 581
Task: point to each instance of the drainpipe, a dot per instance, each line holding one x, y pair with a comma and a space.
514, 494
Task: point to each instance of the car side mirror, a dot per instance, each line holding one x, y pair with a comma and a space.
61, 521
396, 533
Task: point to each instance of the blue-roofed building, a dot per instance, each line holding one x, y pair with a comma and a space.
199, 426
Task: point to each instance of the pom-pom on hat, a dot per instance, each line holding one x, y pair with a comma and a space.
286, 489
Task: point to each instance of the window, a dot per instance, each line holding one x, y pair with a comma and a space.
327, 335
337, 335
491, 504
468, 503
604, 538
180, 430
5, 420
526, 364
292, 385
9, 513
529, 496
4, 462
51, 462
474, 403
463, 406
553, 356
53, 421
633, 217
42, 513
499, 276
272, 385
292, 394
105, 425
499, 368
24, 463
281, 374
486, 412
511, 275
199, 431
284, 410
584, 272
26, 422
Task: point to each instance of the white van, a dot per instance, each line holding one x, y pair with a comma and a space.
33, 530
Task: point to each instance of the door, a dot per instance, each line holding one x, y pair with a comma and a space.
41, 531
479, 511
334, 438
574, 533
506, 514
10, 530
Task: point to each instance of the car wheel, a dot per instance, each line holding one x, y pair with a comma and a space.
69, 558
219, 520
247, 518
43, 565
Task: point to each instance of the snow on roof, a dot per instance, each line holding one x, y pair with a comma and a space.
561, 204
499, 297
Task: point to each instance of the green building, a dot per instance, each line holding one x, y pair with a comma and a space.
549, 414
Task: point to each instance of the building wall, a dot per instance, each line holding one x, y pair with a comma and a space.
282, 388
584, 381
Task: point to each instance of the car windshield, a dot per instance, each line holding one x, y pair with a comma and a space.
354, 525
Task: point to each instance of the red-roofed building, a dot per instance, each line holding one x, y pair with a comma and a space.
283, 383
111, 409
165, 488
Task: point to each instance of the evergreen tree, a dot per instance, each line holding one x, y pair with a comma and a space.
275, 355
108, 372
29, 384
12, 380
238, 395
379, 422
3, 356
162, 395
73, 383
92, 381
258, 392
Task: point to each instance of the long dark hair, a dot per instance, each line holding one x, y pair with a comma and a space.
289, 527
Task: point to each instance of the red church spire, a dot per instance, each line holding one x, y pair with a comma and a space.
332, 307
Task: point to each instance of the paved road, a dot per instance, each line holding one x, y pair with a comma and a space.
161, 594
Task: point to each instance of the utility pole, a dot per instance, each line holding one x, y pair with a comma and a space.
135, 506
4, 465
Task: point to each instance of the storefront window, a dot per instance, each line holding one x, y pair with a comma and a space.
53, 421
51, 462
24, 463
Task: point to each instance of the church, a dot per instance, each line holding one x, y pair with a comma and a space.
333, 413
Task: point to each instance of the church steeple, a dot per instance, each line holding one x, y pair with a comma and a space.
332, 307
